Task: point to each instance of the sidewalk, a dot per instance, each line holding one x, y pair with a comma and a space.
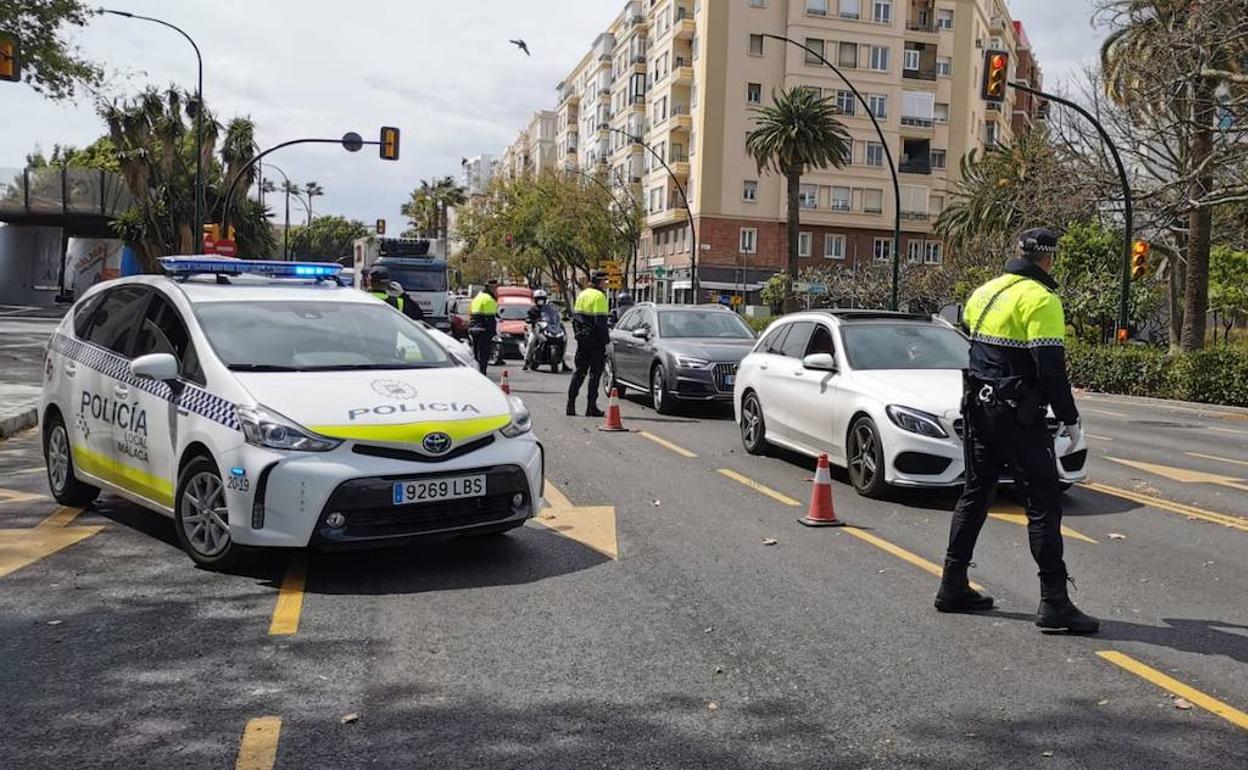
23, 336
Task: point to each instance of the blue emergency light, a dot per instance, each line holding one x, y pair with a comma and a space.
188, 266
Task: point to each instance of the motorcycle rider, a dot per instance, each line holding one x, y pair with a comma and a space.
532, 317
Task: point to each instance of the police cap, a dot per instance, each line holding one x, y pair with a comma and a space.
1038, 240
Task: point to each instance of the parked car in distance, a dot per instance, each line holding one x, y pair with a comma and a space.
459, 317
879, 392
677, 353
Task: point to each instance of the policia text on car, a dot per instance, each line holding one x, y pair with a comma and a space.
1017, 370
589, 324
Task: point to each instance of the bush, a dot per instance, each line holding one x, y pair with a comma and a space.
758, 324
1214, 375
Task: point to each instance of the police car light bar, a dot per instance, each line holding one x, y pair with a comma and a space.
187, 266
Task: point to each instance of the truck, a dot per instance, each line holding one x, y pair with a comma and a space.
419, 264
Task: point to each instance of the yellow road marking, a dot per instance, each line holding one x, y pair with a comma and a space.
17, 496
1183, 475
22, 547
1207, 702
667, 444
1021, 520
62, 517
258, 748
290, 597
1098, 438
1228, 430
1215, 457
1182, 509
760, 488
1105, 412
592, 526
901, 553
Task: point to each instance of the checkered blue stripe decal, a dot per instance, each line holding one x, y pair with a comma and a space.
192, 398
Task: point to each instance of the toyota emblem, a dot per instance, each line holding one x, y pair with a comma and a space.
437, 443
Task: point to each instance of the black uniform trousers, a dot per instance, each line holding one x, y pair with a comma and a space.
590, 358
994, 439
482, 343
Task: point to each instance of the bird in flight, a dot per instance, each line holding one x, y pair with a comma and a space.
523, 46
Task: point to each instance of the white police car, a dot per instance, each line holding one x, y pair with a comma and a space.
263, 404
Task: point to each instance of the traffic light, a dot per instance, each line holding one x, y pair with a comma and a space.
389, 143
381, 227
10, 65
1139, 260
996, 71
212, 234
507, 240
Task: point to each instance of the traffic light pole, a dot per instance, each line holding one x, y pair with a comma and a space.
1124, 297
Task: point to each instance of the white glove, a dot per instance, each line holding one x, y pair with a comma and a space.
1075, 432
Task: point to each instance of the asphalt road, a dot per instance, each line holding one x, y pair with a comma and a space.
643, 622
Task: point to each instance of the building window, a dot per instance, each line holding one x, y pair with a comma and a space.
873, 201
808, 196
845, 102
758, 3
817, 7
913, 202
834, 247
756, 45
847, 55
656, 200
937, 158
932, 253
803, 244
840, 199
944, 66
944, 18
914, 252
875, 154
936, 204
878, 104
815, 45
748, 242
882, 249
851, 9
879, 58
882, 11
910, 60
941, 112
749, 190
754, 93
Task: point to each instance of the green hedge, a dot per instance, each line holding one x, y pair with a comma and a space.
758, 324
1214, 375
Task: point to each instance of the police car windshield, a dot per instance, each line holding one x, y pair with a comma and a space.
904, 346
703, 323
311, 336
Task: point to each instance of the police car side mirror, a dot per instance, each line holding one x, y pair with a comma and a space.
156, 366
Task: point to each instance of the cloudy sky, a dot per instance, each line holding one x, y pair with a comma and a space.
441, 71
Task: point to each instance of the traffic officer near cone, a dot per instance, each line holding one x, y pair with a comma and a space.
483, 324
589, 326
1017, 371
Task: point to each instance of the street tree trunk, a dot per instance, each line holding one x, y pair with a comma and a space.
1200, 226
794, 179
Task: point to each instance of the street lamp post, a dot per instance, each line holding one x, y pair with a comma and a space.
684, 199
199, 113
894, 303
632, 234
286, 231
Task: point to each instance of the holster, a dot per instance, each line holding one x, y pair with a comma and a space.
1010, 392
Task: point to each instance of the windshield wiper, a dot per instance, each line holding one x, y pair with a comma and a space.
370, 367
263, 368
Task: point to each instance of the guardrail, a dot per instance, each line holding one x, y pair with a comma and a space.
58, 190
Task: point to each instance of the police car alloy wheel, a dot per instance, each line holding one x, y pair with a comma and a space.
202, 516
66, 489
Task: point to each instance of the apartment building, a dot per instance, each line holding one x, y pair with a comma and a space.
533, 149
686, 74
478, 174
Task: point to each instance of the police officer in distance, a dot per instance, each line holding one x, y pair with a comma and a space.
1017, 370
483, 324
589, 325
391, 293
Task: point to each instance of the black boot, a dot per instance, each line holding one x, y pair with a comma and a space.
956, 595
593, 411
571, 407
1058, 612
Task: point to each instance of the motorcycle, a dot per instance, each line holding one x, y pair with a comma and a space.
547, 344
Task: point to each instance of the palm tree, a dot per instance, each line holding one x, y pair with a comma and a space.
422, 210
797, 132
448, 194
312, 190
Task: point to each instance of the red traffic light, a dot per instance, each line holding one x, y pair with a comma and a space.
389, 143
996, 72
1139, 259
10, 65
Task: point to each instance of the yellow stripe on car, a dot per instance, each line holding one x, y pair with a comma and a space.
415, 432
136, 480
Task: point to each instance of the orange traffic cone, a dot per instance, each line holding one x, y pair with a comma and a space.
614, 423
505, 384
821, 513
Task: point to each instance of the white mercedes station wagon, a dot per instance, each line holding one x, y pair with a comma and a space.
262, 404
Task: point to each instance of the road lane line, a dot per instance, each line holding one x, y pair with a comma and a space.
62, 517
18, 496
593, 526
779, 497
258, 748
290, 597
901, 553
680, 450
1098, 438
1182, 509
1207, 702
1105, 412
1021, 520
1229, 430
1183, 475
1215, 457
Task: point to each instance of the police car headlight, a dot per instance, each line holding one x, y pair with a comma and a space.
683, 362
265, 428
914, 421
521, 420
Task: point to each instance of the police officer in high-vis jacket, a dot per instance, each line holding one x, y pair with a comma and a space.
1017, 371
483, 324
589, 325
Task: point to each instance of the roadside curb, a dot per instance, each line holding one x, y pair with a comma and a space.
1238, 411
16, 423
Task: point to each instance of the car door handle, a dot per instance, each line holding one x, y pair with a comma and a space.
799, 372
762, 366
71, 369
121, 391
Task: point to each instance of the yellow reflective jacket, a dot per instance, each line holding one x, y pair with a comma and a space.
589, 318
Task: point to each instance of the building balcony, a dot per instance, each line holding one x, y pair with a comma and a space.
915, 216
915, 167
683, 76
684, 28
680, 167
926, 124
667, 217
923, 73
922, 27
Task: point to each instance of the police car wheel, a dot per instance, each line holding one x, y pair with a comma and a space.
866, 459
664, 403
67, 489
203, 522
